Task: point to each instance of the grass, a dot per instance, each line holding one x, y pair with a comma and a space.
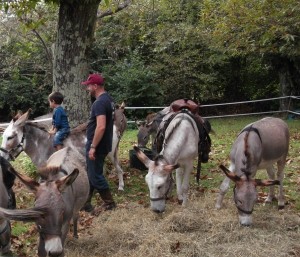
134, 201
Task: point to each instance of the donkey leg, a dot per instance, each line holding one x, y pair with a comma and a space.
115, 160
271, 195
280, 175
75, 226
120, 175
223, 190
179, 174
186, 182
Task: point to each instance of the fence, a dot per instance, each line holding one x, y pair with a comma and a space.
238, 111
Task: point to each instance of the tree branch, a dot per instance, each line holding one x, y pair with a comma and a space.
44, 45
111, 12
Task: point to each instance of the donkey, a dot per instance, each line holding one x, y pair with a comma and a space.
61, 193
120, 125
148, 129
258, 146
180, 148
24, 135
6, 182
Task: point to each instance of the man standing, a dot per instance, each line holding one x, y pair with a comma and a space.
99, 140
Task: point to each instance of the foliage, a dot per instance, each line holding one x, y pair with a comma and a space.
155, 52
133, 82
25, 68
254, 26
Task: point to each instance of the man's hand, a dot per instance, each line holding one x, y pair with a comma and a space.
92, 154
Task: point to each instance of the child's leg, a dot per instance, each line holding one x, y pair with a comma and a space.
58, 139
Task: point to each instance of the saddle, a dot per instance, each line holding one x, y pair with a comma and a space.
185, 105
180, 104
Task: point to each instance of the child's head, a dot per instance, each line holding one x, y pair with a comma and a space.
55, 98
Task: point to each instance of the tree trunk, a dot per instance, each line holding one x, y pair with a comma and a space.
286, 82
76, 25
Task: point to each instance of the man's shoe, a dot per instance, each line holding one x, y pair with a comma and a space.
88, 207
102, 208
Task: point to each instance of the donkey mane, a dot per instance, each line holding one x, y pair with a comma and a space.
35, 125
247, 160
157, 158
176, 125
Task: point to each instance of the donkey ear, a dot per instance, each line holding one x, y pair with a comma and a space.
22, 214
142, 157
268, 182
140, 123
229, 174
170, 168
122, 105
27, 181
21, 121
66, 181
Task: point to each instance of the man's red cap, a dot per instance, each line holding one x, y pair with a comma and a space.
94, 79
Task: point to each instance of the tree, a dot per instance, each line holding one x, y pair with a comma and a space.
266, 28
71, 59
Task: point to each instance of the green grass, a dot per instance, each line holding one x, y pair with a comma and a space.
226, 130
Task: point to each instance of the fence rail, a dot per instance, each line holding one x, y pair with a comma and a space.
288, 111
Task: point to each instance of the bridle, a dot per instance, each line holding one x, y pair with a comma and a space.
15, 152
169, 189
239, 208
53, 232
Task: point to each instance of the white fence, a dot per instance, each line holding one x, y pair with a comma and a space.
291, 100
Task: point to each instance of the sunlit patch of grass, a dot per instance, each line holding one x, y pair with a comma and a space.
19, 228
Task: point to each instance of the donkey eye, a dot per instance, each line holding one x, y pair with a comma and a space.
11, 137
159, 187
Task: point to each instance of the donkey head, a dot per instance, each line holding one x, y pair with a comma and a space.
120, 119
159, 180
49, 212
143, 133
12, 137
245, 194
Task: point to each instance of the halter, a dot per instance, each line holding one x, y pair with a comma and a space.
52, 232
239, 208
165, 196
15, 152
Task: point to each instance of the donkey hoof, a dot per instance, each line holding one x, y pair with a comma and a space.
280, 207
179, 201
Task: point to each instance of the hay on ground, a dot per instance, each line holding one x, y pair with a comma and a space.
198, 230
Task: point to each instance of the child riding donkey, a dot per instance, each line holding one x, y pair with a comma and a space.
60, 124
